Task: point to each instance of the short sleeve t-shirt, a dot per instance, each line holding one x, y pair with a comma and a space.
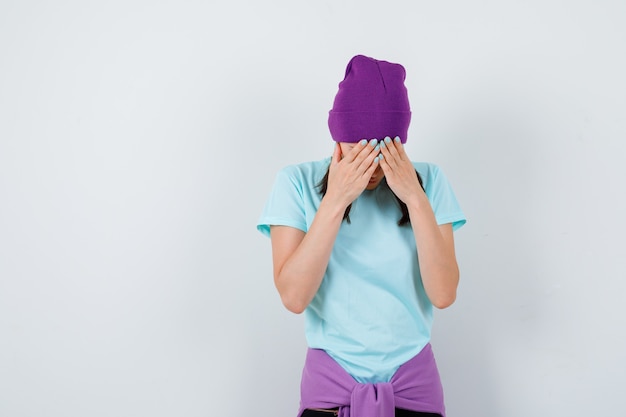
371, 313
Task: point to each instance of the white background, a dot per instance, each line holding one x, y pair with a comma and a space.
139, 140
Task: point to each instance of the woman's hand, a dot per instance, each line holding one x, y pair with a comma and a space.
349, 175
399, 170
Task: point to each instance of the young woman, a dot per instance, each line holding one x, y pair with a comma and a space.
362, 243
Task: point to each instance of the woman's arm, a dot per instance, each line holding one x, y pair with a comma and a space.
437, 258
300, 259
435, 244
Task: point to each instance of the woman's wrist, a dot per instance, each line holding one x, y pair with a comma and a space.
419, 205
334, 205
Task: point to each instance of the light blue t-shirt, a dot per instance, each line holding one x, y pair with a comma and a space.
371, 313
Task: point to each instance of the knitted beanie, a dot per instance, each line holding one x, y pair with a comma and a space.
372, 102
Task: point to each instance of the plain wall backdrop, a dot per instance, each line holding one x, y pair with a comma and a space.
139, 141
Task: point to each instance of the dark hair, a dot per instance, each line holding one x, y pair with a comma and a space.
323, 186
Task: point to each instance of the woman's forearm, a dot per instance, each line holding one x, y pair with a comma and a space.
301, 274
435, 251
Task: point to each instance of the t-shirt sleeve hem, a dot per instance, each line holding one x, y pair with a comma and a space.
457, 220
264, 224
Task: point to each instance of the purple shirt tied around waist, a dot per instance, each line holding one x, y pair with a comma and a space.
415, 386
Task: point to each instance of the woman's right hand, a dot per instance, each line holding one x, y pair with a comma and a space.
349, 175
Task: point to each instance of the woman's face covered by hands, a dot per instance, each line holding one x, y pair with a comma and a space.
392, 163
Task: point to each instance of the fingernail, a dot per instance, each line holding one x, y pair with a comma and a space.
397, 139
376, 148
380, 156
373, 142
363, 142
383, 144
387, 139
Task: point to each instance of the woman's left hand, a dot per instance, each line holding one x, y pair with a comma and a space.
399, 170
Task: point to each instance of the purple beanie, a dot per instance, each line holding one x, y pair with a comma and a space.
372, 102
